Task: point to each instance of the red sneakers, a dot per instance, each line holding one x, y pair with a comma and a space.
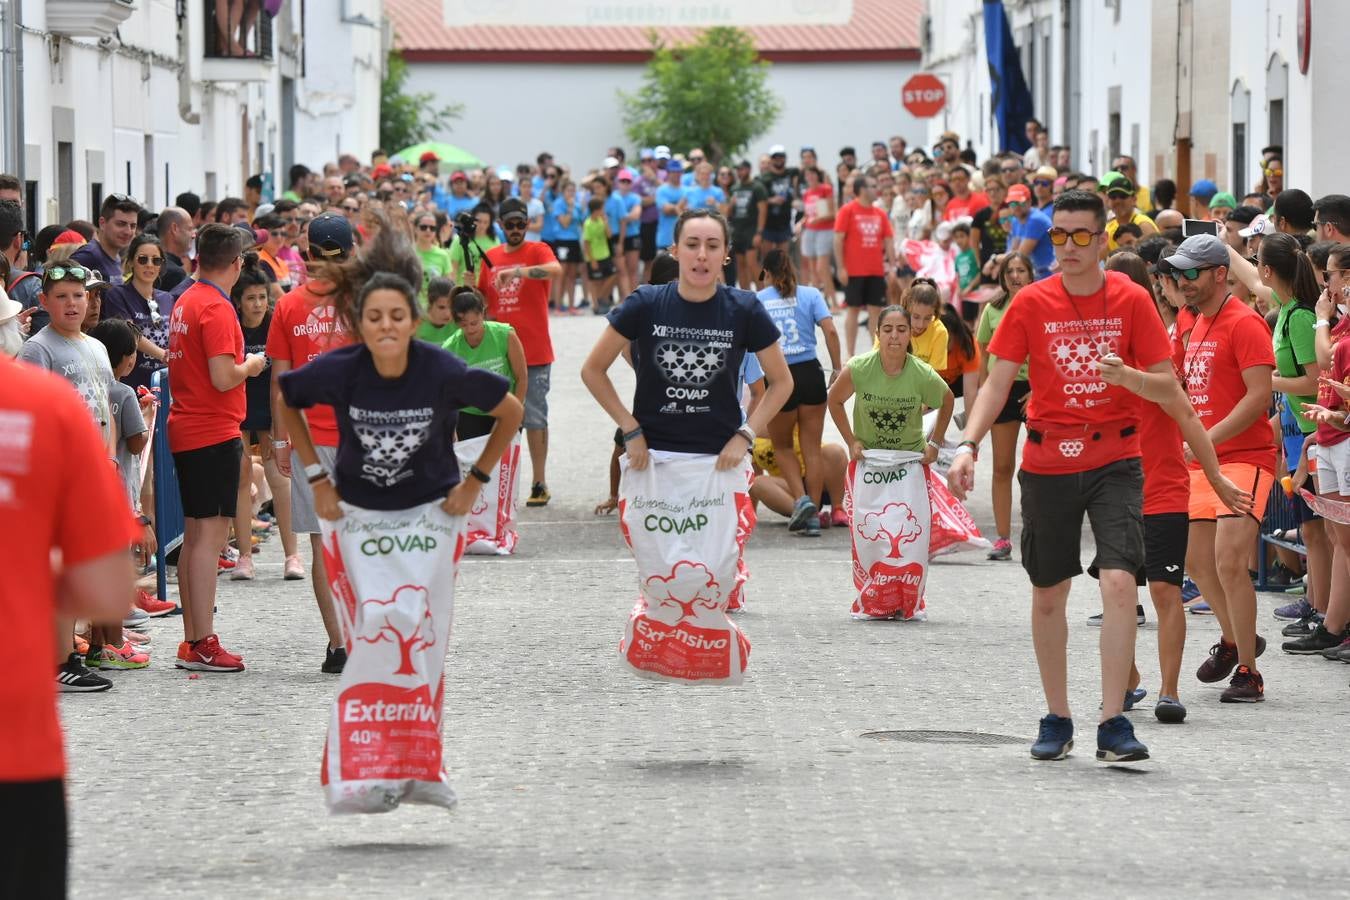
152, 605
838, 518
207, 655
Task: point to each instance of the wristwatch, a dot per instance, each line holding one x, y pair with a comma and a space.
314, 471
277, 445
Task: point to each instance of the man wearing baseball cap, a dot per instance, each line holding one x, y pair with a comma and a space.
516, 286
779, 184
460, 200
1029, 229
1121, 197
1227, 366
305, 324
1201, 192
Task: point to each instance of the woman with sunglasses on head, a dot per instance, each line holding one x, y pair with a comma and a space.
435, 259
142, 304
797, 310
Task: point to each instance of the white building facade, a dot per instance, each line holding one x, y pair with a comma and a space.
104, 96
1190, 88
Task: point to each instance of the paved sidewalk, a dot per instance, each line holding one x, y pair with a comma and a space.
577, 779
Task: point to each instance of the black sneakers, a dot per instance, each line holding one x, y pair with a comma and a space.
334, 661
1314, 643
539, 495
73, 678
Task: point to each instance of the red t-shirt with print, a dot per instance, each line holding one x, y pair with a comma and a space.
305, 323
58, 491
203, 325
865, 230
1167, 481
523, 302
1219, 348
1330, 435
1061, 337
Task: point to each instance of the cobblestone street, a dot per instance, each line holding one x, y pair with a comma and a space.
577, 779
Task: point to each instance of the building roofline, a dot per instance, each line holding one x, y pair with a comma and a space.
584, 57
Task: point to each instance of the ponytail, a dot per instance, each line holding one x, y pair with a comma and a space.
778, 267
923, 291
1286, 258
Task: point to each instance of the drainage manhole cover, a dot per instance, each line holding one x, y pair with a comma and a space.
971, 738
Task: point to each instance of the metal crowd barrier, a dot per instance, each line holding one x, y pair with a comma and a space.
168, 505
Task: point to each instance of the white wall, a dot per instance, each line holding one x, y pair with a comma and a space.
1113, 51
574, 111
126, 109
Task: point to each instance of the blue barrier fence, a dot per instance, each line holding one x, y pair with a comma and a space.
168, 505
1280, 518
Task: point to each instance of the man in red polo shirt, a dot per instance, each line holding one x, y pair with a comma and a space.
1093, 341
58, 492
516, 288
207, 370
863, 253
305, 323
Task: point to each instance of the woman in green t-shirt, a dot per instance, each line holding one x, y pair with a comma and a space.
435, 259
893, 389
1014, 273
484, 345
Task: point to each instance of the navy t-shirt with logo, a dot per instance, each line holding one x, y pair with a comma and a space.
395, 435
687, 357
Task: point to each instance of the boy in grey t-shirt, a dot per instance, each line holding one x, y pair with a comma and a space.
82, 361
131, 436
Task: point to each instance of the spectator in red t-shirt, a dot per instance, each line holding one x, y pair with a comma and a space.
516, 286
863, 253
60, 493
207, 371
965, 203
305, 324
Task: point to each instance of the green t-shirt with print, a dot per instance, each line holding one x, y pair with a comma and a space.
491, 354
888, 409
435, 264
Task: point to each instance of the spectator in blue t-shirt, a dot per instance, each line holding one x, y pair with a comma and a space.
460, 200
704, 194
670, 200
1029, 231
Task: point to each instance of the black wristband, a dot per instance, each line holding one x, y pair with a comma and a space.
479, 474
144, 520
630, 435
322, 476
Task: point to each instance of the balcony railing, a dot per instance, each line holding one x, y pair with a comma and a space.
238, 40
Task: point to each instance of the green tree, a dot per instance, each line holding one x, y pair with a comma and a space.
407, 119
711, 94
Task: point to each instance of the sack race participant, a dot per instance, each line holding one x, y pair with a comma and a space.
687, 523
392, 513
688, 338
887, 492
954, 529
491, 526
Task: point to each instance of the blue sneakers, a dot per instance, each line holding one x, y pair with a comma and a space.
1116, 742
1133, 697
1299, 609
1189, 591
803, 511
1056, 738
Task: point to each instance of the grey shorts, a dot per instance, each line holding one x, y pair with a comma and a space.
817, 242
303, 518
536, 398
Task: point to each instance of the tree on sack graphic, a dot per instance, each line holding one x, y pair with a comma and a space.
686, 593
337, 576
381, 623
895, 522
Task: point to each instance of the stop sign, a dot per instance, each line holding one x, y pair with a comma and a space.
924, 96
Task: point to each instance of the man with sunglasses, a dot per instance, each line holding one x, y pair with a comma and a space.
1093, 341
1029, 229
1333, 218
1043, 188
516, 286
1227, 366
1121, 197
1010, 169
116, 228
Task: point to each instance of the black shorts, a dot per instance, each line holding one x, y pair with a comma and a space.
568, 251
1013, 409
1053, 506
599, 271
958, 385
865, 290
808, 385
742, 243
472, 425
773, 236
208, 479
34, 857
632, 242
647, 239
1165, 538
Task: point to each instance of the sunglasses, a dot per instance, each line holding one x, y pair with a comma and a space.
1188, 274
66, 273
352, 208
928, 281
1120, 195
1278, 173
514, 224
119, 198
1008, 170
1081, 236
149, 260
1017, 204
426, 227
1043, 182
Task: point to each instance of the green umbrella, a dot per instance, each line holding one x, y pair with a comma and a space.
452, 157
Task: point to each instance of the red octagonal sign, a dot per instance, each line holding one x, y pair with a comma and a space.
924, 96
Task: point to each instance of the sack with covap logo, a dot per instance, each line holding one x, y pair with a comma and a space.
886, 500
490, 527
687, 524
393, 581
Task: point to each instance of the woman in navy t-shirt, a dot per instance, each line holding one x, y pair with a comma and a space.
688, 339
396, 399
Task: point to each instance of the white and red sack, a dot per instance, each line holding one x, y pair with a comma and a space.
393, 580
954, 529
490, 527
687, 525
886, 500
